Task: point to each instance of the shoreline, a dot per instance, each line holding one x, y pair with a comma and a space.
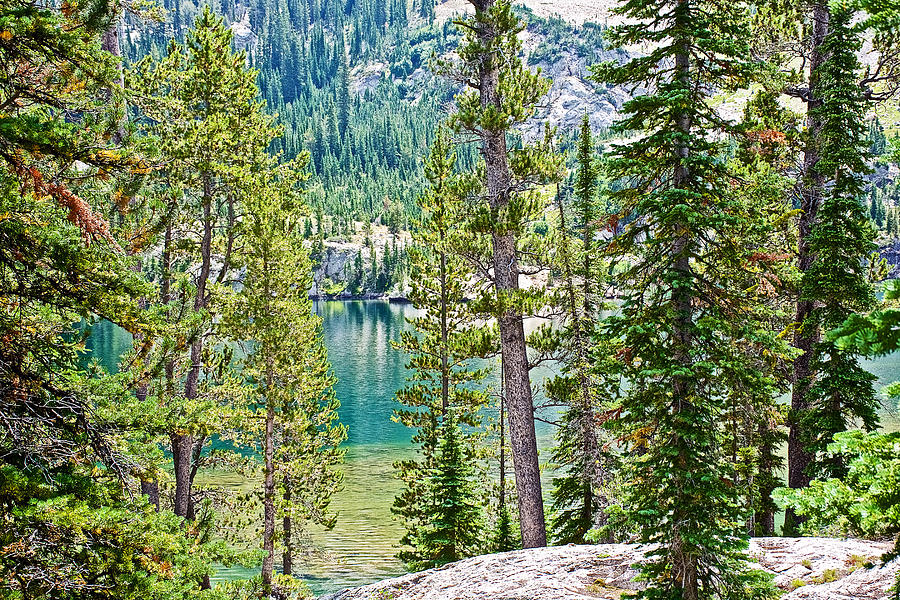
393, 299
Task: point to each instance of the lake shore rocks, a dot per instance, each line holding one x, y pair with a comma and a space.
806, 568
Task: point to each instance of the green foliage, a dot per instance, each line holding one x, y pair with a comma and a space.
685, 350
445, 340
287, 380
865, 500
306, 53
589, 384
208, 134
503, 538
840, 241
77, 537
505, 197
874, 334
454, 525
71, 526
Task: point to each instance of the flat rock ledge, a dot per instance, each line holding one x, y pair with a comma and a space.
806, 568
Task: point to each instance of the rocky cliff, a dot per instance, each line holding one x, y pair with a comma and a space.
805, 568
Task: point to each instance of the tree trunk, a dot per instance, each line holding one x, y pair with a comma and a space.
517, 382
684, 560
150, 488
181, 456
502, 501
520, 407
269, 492
287, 558
445, 370
183, 443
806, 334
765, 517
110, 43
589, 446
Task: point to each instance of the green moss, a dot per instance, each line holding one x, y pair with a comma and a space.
826, 576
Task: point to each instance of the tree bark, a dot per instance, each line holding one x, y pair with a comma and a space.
520, 407
765, 517
183, 443
269, 492
150, 488
806, 334
502, 501
684, 561
287, 557
445, 369
181, 457
110, 43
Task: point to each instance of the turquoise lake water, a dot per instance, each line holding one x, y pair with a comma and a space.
361, 547
358, 335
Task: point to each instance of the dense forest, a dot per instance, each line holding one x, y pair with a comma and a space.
705, 276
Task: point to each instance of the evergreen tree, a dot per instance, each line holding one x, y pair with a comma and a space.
863, 500
72, 523
503, 538
502, 94
454, 523
441, 348
291, 398
880, 23
680, 321
805, 338
839, 391
876, 139
579, 497
201, 102
754, 417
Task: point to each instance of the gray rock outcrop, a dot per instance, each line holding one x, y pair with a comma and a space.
244, 36
806, 568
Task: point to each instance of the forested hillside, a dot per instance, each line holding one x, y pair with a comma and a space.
353, 84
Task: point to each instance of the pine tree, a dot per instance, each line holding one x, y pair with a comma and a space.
502, 94
839, 391
503, 538
454, 524
343, 96
444, 342
880, 23
680, 322
292, 403
755, 417
579, 498
805, 338
201, 102
72, 522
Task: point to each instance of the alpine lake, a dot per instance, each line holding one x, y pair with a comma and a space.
361, 548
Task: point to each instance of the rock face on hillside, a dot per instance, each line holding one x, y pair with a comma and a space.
807, 568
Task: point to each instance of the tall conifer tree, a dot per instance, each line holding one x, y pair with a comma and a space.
292, 406
502, 94
681, 321
444, 341
579, 499
808, 435
201, 102
839, 391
